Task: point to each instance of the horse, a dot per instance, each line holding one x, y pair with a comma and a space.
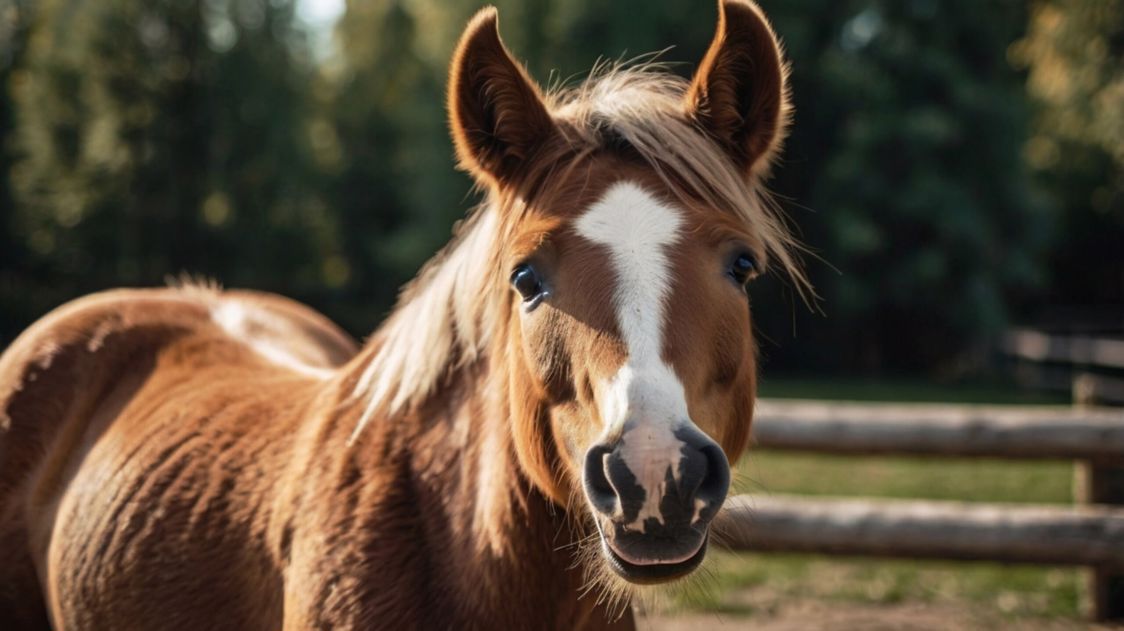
539, 432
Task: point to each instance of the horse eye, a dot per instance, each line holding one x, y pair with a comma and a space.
742, 268
526, 282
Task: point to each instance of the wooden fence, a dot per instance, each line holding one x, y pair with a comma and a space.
1090, 534
1088, 366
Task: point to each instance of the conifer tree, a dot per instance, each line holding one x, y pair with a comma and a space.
1074, 54
160, 137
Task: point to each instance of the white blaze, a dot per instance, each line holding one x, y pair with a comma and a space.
637, 229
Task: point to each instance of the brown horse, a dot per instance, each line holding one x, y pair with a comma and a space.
542, 425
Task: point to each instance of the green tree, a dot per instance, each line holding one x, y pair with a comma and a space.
381, 144
14, 18
160, 136
1074, 52
906, 146
165, 137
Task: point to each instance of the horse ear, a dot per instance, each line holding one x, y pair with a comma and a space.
496, 112
739, 94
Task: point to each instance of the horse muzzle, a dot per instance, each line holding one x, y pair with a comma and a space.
654, 492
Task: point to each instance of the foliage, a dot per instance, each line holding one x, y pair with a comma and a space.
158, 138
1074, 51
383, 146
154, 137
13, 36
908, 130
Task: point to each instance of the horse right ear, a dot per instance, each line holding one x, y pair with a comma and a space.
739, 94
496, 112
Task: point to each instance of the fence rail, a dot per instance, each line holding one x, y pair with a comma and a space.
1091, 534
941, 430
1072, 349
1086, 365
1056, 535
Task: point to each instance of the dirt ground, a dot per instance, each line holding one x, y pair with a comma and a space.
844, 616
815, 614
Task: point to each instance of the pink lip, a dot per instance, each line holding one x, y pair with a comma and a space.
671, 560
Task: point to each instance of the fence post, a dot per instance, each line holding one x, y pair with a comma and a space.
1100, 483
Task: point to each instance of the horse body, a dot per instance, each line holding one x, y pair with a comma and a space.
200, 484
541, 426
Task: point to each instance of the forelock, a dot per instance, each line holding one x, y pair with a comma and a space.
637, 112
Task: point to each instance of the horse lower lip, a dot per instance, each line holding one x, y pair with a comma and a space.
655, 572
665, 560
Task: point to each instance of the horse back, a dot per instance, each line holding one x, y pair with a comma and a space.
113, 367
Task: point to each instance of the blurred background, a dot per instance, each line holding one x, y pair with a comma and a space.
956, 169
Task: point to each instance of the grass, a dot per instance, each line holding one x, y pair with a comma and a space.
758, 583
977, 480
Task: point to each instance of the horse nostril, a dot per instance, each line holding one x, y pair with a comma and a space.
705, 476
716, 483
597, 487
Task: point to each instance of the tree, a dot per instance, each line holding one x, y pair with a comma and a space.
907, 141
388, 167
159, 136
156, 137
14, 312
1074, 52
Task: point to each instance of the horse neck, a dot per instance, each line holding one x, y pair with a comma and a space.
499, 552
491, 533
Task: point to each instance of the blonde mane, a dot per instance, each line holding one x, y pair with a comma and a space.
444, 318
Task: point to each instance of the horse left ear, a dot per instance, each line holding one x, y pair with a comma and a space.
739, 94
496, 112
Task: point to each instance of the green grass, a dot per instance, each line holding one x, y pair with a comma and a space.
979, 480
756, 583
749, 584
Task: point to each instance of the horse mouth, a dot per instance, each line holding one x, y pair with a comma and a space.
669, 563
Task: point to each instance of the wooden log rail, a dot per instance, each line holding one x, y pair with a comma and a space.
1071, 349
1090, 534
1062, 535
941, 430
